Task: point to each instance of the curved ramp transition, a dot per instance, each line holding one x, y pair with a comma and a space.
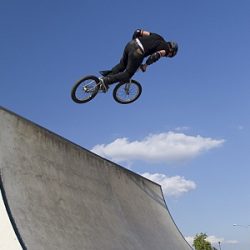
60, 196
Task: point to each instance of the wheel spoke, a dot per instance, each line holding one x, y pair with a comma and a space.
127, 92
84, 90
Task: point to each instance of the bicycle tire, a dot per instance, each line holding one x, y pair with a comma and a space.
126, 93
81, 95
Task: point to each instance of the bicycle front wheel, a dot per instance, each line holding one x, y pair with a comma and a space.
85, 89
126, 93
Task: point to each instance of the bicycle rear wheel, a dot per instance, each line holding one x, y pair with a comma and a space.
126, 93
85, 89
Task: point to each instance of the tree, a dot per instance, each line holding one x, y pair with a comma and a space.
200, 242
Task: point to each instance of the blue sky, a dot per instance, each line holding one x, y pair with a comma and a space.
189, 130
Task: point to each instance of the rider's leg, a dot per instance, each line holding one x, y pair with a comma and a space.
134, 60
121, 66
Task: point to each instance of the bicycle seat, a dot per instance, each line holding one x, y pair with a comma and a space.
105, 72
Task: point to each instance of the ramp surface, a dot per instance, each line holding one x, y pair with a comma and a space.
61, 196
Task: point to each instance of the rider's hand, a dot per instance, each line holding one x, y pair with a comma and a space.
143, 67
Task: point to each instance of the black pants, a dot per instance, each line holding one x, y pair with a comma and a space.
131, 60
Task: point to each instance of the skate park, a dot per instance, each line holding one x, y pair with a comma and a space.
61, 196
182, 146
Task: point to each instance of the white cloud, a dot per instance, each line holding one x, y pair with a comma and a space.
184, 128
190, 240
214, 240
157, 148
171, 186
231, 241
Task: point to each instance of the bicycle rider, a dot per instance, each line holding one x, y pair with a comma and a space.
143, 44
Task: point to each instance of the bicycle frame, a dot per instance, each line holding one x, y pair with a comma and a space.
91, 89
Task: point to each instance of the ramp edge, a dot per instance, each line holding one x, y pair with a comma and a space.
11, 218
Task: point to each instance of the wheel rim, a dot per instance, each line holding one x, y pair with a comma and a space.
85, 90
127, 92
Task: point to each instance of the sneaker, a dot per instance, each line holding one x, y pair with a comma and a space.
103, 86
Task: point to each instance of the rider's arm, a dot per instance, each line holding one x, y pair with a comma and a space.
155, 57
139, 33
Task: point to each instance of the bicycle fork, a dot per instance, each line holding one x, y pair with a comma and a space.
127, 87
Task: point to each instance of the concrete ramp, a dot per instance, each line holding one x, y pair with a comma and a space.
60, 196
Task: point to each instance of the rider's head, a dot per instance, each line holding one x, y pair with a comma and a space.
173, 48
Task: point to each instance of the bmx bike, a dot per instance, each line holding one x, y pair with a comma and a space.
86, 88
